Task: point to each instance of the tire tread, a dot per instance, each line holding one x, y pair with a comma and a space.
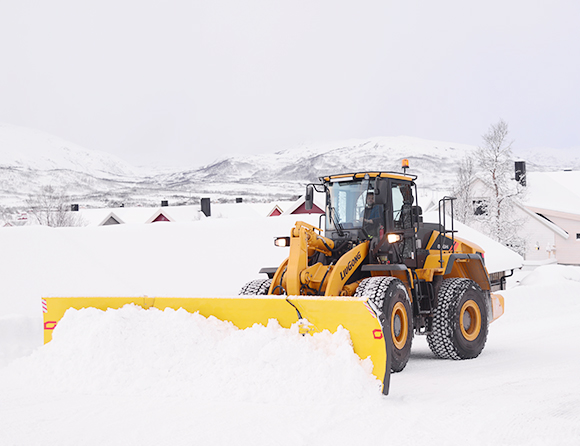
440, 341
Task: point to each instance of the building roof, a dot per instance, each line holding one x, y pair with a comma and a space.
111, 219
133, 215
275, 211
319, 202
265, 209
553, 191
544, 221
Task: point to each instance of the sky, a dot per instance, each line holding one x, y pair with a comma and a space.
184, 82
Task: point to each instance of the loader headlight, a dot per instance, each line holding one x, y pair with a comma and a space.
393, 238
282, 241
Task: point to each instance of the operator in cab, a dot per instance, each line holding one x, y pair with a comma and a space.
374, 214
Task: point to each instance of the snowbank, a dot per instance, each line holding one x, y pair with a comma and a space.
549, 275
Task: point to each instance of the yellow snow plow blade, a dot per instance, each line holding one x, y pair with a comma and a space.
321, 313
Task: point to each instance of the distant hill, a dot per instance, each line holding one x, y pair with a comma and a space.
35, 150
30, 159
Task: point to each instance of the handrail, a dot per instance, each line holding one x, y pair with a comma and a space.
443, 224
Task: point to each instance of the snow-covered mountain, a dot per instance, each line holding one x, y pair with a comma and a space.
35, 150
30, 159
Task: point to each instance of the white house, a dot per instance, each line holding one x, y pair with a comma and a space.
549, 214
553, 199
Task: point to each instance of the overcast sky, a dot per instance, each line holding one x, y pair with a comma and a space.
183, 82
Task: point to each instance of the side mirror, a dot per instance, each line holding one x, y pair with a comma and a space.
381, 191
417, 214
309, 199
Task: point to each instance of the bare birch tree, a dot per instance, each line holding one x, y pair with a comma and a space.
51, 207
496, 164
463, 190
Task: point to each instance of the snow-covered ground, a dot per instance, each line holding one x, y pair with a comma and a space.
136, 377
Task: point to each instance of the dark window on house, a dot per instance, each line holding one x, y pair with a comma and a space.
577, 236
479, 207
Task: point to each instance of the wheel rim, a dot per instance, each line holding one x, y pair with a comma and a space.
470, 320
399, 325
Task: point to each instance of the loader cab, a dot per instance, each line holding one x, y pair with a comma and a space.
373, 206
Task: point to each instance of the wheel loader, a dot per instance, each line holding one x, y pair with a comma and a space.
376, 252
376, 269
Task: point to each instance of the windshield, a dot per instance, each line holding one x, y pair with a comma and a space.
346, 204
350, 205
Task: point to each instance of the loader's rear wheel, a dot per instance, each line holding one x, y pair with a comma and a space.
256, 287
390, 295
460, 323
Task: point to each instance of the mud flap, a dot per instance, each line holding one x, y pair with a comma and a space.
366, 324
497, 306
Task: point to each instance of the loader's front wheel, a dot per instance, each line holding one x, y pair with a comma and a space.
390, 295
256, 287
460, 323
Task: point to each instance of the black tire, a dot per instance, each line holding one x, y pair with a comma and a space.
390, 295
257, 287
460, 324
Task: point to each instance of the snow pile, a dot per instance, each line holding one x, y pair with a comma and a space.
19, 336
171, 353
549, 275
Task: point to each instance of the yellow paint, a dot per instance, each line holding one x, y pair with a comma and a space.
313, 275
467, 247
399, 311
344, 268
350, 289
426, 274
432, 262
497, 306
472, 331
304, 242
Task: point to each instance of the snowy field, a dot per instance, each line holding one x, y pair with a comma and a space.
136, 377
